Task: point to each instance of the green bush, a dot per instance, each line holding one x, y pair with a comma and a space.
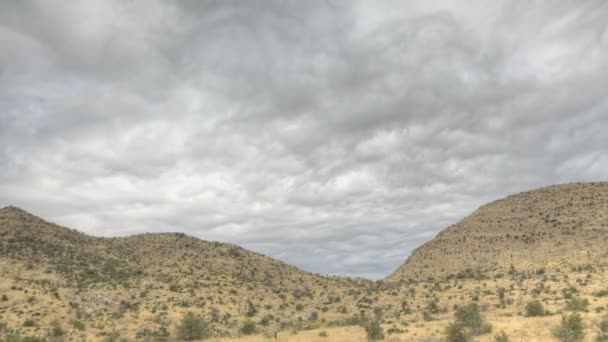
4, 298
248, 328
251, 310
469, 317
29, 323
192, 327
457, 333
374, 331
535, 308
571, 328
577, 304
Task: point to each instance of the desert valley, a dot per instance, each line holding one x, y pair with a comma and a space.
529, 267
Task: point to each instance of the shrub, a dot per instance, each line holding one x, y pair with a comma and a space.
251, 310
248, 328
323, 333
78, 325
535, 308
4, 298
502, 337
602, 329
29, 323
192, 327
577, 304
469, 317
571, 329
374, 331
601, 293
457, 333
55, 329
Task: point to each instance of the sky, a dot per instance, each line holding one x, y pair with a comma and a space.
333, 135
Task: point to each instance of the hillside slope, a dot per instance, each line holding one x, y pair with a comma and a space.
142, 284
552, 227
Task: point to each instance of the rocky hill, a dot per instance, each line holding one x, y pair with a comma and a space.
149, 280
555, 227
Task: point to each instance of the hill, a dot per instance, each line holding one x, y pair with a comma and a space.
544, 247
559, 226
142, 284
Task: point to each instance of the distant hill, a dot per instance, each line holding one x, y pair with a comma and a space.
87, 260
559, 226
91, 278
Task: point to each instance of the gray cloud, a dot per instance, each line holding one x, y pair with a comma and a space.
333, 135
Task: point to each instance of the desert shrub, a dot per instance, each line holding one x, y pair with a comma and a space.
4, 298
395, 330
502, 337
78, 325
112, 337
469, 317
374, 331
248, 328
535, 308
29, 323
577, 304
323, 333
571, 328
192, 327
251, 310
602, 329
55, 329
457, 333
601, 293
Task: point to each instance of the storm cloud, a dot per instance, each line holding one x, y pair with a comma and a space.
333, 135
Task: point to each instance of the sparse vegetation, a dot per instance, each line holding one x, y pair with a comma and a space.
149, 281
192, 327
571, 328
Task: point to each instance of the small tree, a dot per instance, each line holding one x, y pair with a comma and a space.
571, 329
192, 327
535, 308
251, 310
374, 331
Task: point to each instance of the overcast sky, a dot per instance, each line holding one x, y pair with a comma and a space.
333, 135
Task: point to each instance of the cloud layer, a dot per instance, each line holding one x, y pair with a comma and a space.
334, 135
